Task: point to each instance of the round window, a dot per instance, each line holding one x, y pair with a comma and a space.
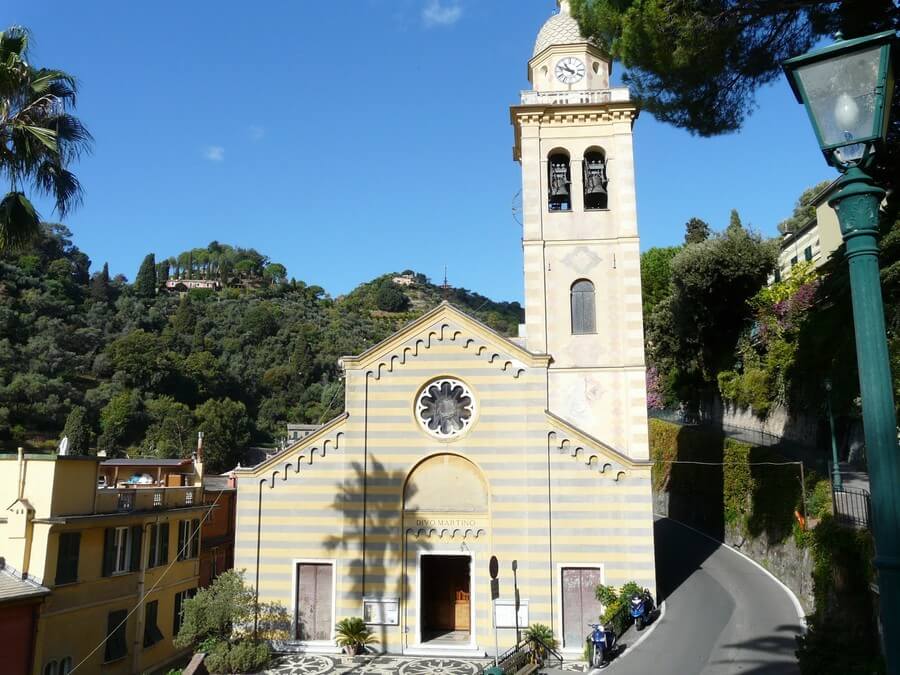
445, 408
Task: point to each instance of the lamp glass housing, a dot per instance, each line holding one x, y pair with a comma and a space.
846, 88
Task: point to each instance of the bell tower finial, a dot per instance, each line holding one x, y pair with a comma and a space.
564, 6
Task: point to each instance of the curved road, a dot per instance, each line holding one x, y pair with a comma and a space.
723, 614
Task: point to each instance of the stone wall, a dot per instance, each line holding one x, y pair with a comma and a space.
791, 564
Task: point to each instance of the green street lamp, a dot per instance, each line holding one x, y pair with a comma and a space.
846, 88
836, 480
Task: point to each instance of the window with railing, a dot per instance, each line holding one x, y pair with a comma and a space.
126, 501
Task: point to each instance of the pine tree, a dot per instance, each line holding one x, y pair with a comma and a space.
100, 290
145, 282
696, 230
735, 222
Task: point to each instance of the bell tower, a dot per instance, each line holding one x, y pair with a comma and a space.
573, 139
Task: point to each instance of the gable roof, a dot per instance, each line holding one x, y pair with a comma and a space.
448, 312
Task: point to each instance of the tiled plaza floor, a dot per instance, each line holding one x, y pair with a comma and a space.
317, 664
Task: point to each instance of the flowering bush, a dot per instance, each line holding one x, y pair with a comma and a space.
768, 350
655, 397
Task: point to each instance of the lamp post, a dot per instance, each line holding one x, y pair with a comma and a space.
846, 89
837, 482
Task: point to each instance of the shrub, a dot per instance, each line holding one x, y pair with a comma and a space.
738, 482
818, 501
244, 656
663, 449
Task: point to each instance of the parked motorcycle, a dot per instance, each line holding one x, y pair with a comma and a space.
641, 608
602, 642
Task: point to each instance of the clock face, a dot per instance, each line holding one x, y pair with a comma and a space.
569, 70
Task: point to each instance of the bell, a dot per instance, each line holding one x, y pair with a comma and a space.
595, 178
559, 181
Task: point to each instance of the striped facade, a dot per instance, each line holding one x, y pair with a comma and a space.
553, 498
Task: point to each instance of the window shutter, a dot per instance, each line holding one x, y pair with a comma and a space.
109, 551
195, 537
588, 308
182, 539
163, 544
136, 532
176, 618
116, 646
153, 531
67, 557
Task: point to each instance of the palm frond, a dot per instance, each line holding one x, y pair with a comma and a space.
14, 42
19, 222
56, 83
53, 179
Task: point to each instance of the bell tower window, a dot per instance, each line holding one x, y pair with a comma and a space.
582, 301
559, 182
596, 196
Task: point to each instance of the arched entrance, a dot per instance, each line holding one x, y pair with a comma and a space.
445, 511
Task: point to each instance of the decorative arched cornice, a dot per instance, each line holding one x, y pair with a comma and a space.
593, 453
445, 325
446, 532
287, 462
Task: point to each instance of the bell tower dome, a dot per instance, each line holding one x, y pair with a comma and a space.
563, 60
573, 140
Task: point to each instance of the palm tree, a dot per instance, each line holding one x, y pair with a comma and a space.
39, 137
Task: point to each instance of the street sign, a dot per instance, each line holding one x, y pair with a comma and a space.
495, 589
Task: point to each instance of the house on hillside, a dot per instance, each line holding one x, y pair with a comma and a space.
814, 241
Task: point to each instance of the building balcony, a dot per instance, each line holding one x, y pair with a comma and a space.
616, 95
150, 498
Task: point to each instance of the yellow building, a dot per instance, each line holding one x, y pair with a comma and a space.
101, 534
458, 444
814, 241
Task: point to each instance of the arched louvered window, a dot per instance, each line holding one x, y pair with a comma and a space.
583, 314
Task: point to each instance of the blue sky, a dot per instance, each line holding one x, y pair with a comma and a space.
348, 139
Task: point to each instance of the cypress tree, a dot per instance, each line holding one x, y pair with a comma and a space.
78, 431
145, 282
100, 285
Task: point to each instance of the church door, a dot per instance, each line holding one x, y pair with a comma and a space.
579, 604
446, 600
315, 617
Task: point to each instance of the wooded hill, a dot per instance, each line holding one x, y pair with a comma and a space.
123, 368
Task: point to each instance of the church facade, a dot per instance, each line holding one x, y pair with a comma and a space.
458, 444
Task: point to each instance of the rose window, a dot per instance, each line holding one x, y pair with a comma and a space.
445, 408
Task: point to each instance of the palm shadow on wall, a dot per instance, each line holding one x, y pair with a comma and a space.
374, 537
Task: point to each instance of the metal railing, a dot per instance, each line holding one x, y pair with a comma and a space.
527, 651
853, 507
615, 95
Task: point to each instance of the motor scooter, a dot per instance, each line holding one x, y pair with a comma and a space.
641, 607
602, 642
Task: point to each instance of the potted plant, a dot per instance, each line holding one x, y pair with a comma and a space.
353, 635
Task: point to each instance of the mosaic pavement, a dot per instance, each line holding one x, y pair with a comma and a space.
317, 664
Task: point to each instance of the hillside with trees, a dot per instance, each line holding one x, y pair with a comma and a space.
129, 369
